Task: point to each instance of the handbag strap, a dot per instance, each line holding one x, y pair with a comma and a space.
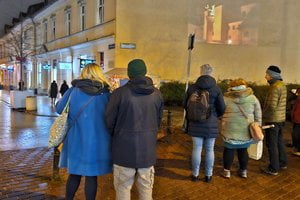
243, 112
80, 111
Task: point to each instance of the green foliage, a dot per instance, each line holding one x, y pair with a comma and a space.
173, 93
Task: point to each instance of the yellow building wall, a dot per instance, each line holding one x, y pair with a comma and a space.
160, 31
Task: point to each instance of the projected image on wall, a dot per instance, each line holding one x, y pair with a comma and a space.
224, 24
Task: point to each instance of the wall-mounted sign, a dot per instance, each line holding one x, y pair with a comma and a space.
83, 62
127, 46
111, 46
46, 67
65, 65
10, 68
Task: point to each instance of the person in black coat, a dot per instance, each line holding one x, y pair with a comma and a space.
63, 88
205, 132
133, 116
53, 92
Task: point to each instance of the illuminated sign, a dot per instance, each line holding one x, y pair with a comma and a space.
65, 65
83, 62
10, 68
46, 67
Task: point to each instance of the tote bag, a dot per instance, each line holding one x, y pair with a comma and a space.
59, 128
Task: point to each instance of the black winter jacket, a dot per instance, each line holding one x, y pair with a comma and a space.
209, 128
133, 116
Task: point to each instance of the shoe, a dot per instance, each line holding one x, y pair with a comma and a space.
226, 173
267, 170
283, 167
243, 173
208, 179
195, 178
296, 153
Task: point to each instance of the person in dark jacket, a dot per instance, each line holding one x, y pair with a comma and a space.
63, 88
133, 116
296, 124
53, 92
274, 112
204, 133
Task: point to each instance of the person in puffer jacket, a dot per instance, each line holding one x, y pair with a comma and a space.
274, 112
204, 133
240, 102
133, 116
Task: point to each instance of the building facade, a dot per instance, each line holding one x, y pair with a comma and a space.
239, 38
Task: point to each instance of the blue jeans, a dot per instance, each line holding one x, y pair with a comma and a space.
209, 144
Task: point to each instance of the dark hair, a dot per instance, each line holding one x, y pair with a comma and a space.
274, 69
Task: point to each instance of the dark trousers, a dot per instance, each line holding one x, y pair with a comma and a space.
228, 156
90, 187
296, 136
276, 147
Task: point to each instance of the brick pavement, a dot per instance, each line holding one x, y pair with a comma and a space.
26, 174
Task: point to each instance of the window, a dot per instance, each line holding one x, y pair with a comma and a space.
101, 11
82, 17
53, 21
68, 21
45, 31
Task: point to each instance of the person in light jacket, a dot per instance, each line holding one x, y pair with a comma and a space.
133, 116
240, 101
86, 149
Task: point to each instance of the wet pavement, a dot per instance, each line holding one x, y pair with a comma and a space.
21, 129
26, 164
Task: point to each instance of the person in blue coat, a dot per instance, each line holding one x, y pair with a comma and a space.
86, 149
204, 133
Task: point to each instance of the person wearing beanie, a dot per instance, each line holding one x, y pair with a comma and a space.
206, 69
274, 112
204, 132
133, 116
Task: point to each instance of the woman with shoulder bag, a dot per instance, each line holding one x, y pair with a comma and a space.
239, 101
86, 149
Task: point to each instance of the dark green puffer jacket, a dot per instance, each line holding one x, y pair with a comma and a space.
274, 109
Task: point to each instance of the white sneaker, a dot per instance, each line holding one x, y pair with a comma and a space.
226, 173
243, 173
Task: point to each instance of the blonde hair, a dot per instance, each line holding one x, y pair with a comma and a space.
237, 82
93, 72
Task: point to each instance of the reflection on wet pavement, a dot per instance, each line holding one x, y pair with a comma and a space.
20, 130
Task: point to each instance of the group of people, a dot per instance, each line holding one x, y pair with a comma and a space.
114, 132
53, 91
237, 109
117, 131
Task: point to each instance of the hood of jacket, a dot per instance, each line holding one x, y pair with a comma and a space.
239, 96
141, 85
205, 82
90, 87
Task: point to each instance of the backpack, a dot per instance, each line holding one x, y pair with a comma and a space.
198, 109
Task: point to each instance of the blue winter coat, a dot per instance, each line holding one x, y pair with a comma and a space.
87, 148
208, 128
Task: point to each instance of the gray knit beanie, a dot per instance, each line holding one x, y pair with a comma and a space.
206, 69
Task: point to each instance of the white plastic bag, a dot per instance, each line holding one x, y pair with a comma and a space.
255, 151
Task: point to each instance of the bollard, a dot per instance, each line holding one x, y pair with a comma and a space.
169, 126
55, 173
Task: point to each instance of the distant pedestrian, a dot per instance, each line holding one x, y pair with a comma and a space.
86, 149
274, 112
239, 101
296, 124
63, 88
204, 132
133, 116
53, 92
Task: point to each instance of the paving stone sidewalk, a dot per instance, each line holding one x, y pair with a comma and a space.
26, 174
